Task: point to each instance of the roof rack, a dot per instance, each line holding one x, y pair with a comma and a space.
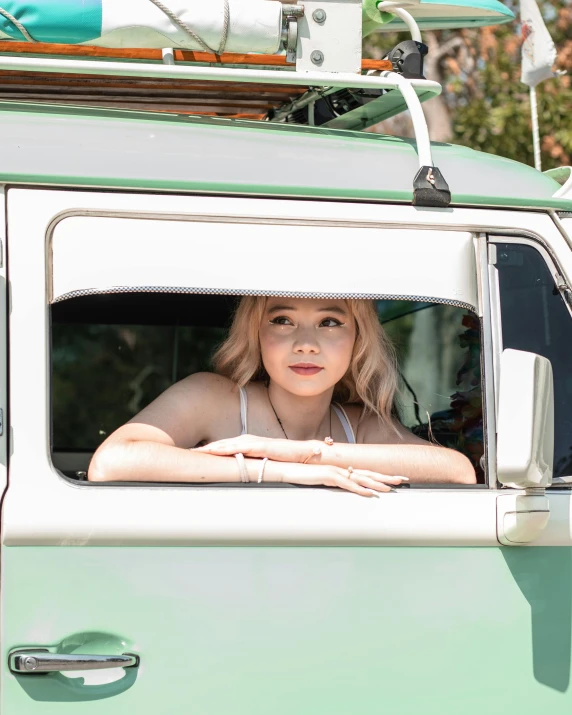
314, 88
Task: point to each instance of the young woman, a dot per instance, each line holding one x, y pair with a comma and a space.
303, 393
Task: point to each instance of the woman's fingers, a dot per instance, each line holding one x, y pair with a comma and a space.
341, 479
351, 486
359, 481
226, 447
222, 448
382, 478
279, 450
366, 483
371, 483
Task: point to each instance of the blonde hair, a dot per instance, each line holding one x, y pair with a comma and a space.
371, 378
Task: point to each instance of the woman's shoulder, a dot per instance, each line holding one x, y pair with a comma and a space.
208, 384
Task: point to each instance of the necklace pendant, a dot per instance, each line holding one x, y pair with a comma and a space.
329, 441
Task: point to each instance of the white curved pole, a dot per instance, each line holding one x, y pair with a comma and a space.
395, 8
417, 117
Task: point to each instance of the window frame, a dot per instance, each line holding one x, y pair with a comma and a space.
558, 274
43, 508
250, 218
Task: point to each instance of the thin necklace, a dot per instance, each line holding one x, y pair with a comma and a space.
327, 440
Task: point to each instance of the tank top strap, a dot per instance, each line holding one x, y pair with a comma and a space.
243, 410
346, 424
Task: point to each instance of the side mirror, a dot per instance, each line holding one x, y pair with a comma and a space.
525, 421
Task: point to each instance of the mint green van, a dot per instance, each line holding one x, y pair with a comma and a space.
126, 238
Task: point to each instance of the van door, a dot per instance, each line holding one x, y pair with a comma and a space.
3, 348
250, 599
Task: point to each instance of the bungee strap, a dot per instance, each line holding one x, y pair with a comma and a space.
183, 25
170, 14
17, 24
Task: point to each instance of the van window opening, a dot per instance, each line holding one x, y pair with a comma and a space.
113, 354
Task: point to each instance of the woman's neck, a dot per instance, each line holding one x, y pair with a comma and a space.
302, 418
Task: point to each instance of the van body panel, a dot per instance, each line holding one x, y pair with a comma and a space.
119, 149
282, 630
257, 600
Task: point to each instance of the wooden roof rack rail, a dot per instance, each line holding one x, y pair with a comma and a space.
228, 58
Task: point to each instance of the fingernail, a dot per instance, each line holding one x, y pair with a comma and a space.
374, 494
405, 479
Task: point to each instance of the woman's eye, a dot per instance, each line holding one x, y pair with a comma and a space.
330, 323
281, 320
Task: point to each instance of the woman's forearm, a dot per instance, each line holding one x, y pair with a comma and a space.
138, 461
141, 461
418, 462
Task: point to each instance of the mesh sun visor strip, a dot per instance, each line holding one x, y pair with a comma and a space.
116, 290
253, 25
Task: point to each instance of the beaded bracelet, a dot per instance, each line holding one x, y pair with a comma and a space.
242, 467
261, 472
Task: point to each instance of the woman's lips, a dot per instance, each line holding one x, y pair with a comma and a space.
302, 369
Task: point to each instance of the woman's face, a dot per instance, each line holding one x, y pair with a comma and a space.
306, 344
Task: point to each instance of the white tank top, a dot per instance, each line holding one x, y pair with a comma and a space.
338, 409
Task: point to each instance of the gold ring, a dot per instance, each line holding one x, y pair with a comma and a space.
350, 472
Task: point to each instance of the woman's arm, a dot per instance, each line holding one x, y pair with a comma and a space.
154, 446
154, 461
419, 462
400, 453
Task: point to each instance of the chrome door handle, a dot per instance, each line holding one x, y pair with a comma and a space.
42, 661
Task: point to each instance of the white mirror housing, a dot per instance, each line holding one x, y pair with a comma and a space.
525, 421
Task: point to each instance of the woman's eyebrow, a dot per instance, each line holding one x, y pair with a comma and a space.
333, 309
278, 308
327, 309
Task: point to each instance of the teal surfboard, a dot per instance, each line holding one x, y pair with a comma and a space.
437, 15
132, 23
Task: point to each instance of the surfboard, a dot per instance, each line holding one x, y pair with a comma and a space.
254, 25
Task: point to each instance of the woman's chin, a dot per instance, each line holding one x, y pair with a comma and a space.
305, 387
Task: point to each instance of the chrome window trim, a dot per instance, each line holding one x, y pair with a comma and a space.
556, 216
488, 380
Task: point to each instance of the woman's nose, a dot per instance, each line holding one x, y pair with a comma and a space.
306, 342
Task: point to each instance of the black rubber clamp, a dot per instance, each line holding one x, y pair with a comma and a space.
430, 188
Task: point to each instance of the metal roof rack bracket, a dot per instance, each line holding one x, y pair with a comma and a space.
319, 31
430, 188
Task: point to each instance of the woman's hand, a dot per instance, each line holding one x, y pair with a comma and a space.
359, 481
278, 450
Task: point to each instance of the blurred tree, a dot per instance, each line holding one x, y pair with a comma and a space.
484, 105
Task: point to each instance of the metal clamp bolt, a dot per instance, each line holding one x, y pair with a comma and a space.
319, 16
293, 10
317, 57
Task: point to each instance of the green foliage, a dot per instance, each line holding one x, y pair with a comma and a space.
492, 113
488, 104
